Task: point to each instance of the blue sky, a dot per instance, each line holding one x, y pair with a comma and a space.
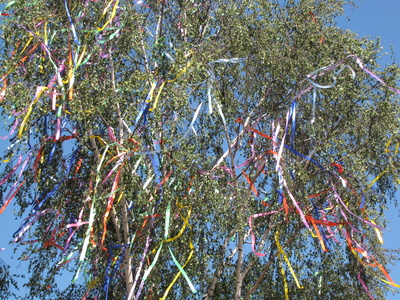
376, 18
372, 18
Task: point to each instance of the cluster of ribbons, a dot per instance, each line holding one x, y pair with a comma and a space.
116, 153
330, 222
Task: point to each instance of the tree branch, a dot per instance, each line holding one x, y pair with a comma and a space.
264, 271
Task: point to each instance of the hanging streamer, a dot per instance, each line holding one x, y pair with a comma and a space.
282, 252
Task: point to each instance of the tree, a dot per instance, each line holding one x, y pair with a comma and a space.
6, 281
232, 149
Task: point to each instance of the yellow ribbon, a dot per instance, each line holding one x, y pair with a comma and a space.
285, 285
158, 95
113, 12
378, 233
392, 284
281, 252
391, 163
163, 84
179, 273
376, 178
39, 91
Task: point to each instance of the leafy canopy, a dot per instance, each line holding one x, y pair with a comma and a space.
231, 149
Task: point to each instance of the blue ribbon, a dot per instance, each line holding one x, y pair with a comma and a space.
362, 201
305, 157
319, 226
71, 24
108, 279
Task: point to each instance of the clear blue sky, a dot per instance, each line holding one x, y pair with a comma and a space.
372, 18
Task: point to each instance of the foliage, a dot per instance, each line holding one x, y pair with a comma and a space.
7, 282
147, 133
